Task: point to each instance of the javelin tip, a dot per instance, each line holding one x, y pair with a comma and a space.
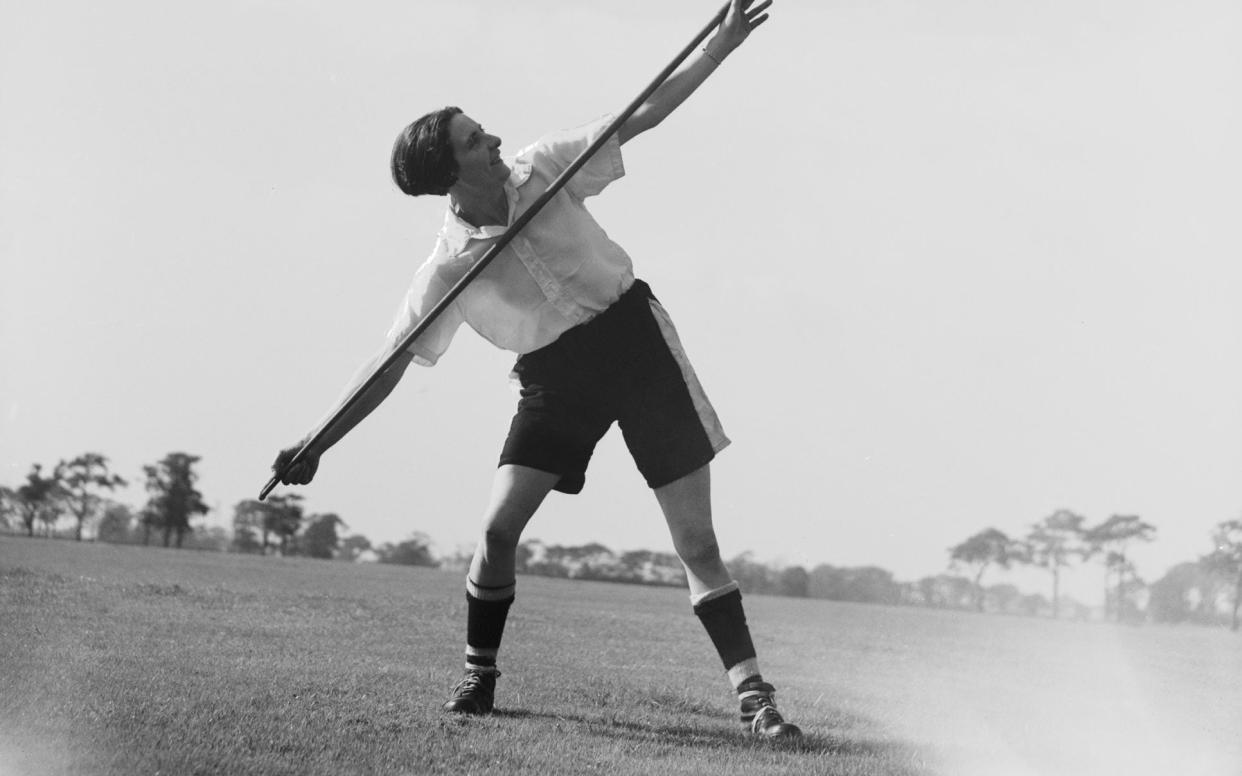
272, 483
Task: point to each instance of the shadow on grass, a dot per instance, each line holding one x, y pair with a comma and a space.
711, 734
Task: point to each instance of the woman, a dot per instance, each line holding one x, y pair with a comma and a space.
594, 347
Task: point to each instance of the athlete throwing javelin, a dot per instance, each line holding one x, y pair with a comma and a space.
594, 346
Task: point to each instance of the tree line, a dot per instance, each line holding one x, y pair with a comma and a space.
76, 489
1200, 591
1207, 590
79, 490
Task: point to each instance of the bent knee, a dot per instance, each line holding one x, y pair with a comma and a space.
698, 550
502, 536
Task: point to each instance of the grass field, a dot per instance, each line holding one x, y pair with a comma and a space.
125, 660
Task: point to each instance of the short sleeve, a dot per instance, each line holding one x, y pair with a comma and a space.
432, 281
559, 149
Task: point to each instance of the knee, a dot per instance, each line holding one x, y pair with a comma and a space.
501, 537
698, 550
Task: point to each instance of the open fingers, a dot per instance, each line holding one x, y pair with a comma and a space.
752, 12
744, 16
756, 16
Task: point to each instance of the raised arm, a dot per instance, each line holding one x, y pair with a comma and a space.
738, 23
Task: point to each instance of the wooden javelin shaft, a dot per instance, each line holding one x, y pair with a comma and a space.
496, 248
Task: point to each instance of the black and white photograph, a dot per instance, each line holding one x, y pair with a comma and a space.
751, 387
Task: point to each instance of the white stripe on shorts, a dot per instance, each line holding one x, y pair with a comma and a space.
707, 415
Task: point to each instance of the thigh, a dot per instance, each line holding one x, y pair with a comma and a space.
687, 506
517, 491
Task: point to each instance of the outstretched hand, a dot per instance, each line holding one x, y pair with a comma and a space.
739, 22
301, 472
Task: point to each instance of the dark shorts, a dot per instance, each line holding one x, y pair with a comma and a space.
625, 365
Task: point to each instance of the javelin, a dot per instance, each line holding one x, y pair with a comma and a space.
496, 248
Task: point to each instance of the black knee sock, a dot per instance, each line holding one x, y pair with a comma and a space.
487, 608
725, 622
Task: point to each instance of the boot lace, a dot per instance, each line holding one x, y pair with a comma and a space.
473, 681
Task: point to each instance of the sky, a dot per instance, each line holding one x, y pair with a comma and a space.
941, 266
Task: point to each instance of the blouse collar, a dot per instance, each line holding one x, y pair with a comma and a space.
457, 232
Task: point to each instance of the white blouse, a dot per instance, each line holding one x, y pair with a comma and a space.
559, 271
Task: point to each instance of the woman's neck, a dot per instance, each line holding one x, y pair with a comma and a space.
480, 206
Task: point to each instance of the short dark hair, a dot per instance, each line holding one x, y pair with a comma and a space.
422, 157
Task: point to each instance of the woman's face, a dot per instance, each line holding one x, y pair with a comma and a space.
477, 153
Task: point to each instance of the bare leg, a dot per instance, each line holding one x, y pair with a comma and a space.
517, 491
713, 593
687, 505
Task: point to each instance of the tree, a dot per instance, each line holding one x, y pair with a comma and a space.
209, 538
1031, 604
522, 557
542, 560
590, 561
353, 546
1226, 560
986, 548
1111, 539
151, 520
633, 564
320, 539
793, 582
173, 498
37, 499
1188, 592
944, 591
587, 561
751, 575
415, 551
824, 581
248, 519
10, 507
282, 516
651, 568
1053, 543
1004, 598
80, 479
245, 540
928, 591
114, 526
864, 584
